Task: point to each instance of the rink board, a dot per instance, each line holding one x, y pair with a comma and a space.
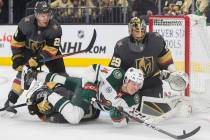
78, 37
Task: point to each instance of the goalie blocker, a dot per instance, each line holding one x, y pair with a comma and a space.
173, 103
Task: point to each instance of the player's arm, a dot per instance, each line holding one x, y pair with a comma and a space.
165, 60
17, 46
50, 49
53, 42
116, 61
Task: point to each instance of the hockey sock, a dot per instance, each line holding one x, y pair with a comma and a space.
73, 114
13, 97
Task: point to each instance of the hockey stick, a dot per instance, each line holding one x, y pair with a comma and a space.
90, 46
16, 106
183, 136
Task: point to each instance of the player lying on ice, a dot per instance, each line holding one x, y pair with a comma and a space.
106, 84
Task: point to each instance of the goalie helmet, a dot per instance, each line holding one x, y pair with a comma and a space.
135, 75
137, 24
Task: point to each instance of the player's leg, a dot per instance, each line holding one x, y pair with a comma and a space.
16, 89
14, 94
57, 66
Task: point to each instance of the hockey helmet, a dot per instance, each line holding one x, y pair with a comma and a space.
42, 7
135, 75
137, 23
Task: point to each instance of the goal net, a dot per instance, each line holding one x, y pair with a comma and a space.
188, 39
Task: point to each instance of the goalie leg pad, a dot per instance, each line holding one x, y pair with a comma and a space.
160, 109
184, 107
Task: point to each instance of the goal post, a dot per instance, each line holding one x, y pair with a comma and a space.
188, 39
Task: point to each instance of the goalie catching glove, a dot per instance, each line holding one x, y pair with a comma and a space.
178, 81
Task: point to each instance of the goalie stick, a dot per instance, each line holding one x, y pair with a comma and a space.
142, 121
16, 106
90, 46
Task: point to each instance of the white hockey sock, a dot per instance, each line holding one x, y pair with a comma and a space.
73, 114
41, 76
53, 98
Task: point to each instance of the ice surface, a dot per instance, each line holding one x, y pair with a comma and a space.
25, 126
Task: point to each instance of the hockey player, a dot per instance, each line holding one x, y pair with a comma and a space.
146, 51
38, 36
110, 85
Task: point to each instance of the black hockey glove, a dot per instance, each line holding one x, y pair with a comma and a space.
34, 63
17, 62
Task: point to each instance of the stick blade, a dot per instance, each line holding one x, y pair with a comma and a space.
187, 135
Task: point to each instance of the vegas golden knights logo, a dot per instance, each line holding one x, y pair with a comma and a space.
146, 65
36, 45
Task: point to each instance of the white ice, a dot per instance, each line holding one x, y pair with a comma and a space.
25, 126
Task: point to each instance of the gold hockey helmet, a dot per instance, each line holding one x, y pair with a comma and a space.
138, 25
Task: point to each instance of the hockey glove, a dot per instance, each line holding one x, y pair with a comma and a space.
39, 98
17, 62
27, 77
34, 63
118, 119
164, 74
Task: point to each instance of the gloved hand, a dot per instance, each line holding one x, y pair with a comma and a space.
44, 107
115, 113
34, 62
17, 62
164, 74
39, 101
33, 110
118, 120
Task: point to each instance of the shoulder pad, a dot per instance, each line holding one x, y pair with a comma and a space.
27, 20
26, 23
118, 73
157, 34
122, 41
54, 29
119, 43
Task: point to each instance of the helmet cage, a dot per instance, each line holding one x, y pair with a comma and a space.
137, 24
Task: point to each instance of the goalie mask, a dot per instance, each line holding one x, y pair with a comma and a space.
137, 28
135, 75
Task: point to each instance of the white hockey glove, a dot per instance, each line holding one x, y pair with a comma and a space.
178, 81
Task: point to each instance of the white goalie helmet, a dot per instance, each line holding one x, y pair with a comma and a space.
135, 75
